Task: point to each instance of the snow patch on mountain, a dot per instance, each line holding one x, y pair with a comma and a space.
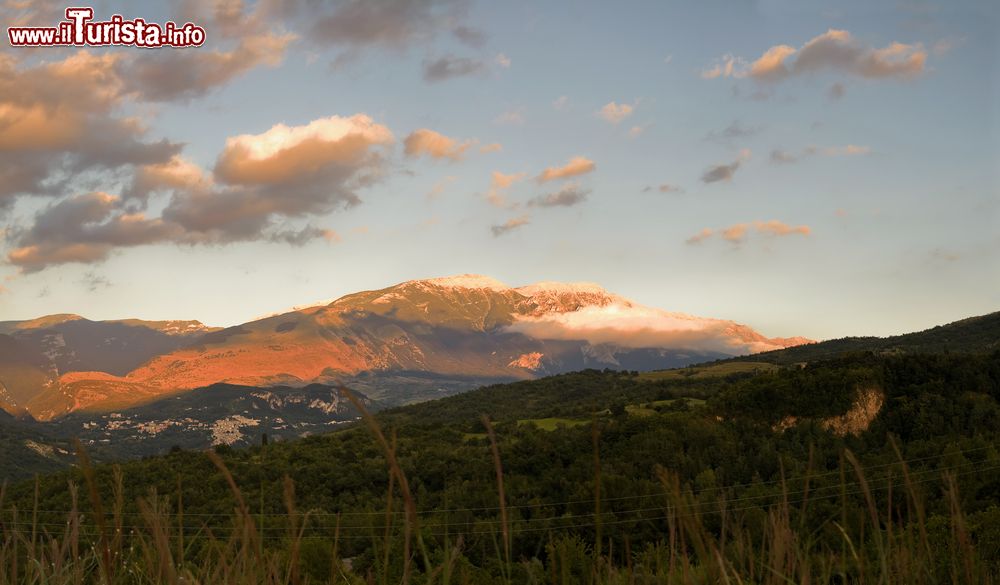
552, 287
464, 281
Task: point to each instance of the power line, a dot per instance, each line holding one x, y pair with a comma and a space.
689, 513
381, 513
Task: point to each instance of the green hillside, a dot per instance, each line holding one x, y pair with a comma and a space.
974, 334
716, 449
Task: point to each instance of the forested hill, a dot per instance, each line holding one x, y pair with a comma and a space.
745, 435
975, 334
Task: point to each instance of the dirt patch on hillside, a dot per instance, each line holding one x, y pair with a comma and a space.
861, 414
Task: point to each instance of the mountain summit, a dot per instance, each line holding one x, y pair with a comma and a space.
456, 327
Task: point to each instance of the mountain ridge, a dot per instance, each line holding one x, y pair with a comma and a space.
463, 326
124, 428
980, 333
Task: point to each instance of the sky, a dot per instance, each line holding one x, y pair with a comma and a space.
808, 168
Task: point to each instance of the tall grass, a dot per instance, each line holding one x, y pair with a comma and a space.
887, 545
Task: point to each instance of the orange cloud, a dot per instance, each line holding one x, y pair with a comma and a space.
779, 156
849, 150
771, 63
737, 233
260, 185
177, 173
834, 50
183, 75
59, 117
287, 154
247, 36
435, 145
500, 183
701, 236
727, 66
84, 228
438, 189
777, 228
615, 113
33, 127
509, 226
577, 166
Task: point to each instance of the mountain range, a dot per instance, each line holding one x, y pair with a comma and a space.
451, 333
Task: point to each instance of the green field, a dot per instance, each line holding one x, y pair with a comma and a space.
552, 423
710, 371
650, 408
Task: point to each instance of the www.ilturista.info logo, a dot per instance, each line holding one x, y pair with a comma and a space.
79, 30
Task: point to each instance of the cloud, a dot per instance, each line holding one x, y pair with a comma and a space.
472, 37
636, 131
32, 13
577, 166
513, 117
837, 91
560, 102
499, 184
771, 65
776, 228
736, 234
943, 255
492, 147
779, 156
287, 172
176, 174
392, 24
435, 145
568, 196
59, 121
943, 46
629, 324
735, 130
288, 154
835, 50
849, 150
438, 189
65, 121
615, 113
260, 183
303, 236
179, 75
701, 236
240, 39
84, 228
449, 66
509, 226
664, 188
725, 172
727, 66
93, 281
